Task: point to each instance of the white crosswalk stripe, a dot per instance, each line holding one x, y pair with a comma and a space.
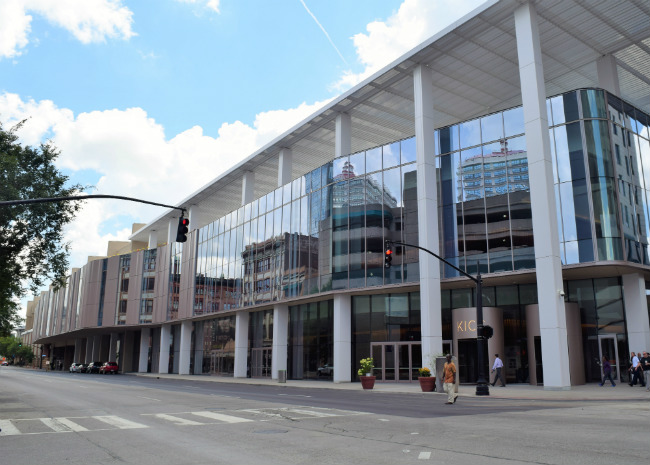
221, 417
71, 424
8, 428
177, 420
120, 423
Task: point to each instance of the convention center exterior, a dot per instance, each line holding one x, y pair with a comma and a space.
516, 142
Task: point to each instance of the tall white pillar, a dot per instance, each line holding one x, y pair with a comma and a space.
285, 162
97, 345
247, 187
145, 334
636, 313
343, 142
198, 347
78, 345
280, 339
241, 343
153, 240
112, 349
165, 338
343, 338
185, 349
194, 217
427, 191
608, 74
89, 349
172, 228
555, 354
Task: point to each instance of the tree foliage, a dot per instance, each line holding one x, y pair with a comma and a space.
32, 251
13, 349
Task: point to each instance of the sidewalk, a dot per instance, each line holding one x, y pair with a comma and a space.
514, 391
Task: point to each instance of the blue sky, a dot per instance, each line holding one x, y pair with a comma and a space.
143, 95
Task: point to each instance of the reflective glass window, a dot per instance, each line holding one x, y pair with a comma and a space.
340, 165
316, 181
593, 103
451, 189
391, 155
408, 152
358, 164
270, 204
492, 127
605, 207
570, 158
448, 139
296, 188
286, 193
470, 133
564, 108
598, 148
513, 121
373, 160
327, 173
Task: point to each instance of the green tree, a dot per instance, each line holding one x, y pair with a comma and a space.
12, 348
32, 251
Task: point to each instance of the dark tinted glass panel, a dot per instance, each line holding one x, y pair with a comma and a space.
410, 222
605, 208
593, 104
598, 148
448, 139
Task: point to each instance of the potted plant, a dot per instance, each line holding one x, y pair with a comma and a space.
427, 382
365, 373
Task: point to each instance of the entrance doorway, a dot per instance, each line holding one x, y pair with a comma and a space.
607, 347
396, 361
467, 366
261, 362
222, 362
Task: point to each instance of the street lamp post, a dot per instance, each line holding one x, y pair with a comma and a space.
482, 388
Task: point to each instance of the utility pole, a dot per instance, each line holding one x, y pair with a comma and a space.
482, 388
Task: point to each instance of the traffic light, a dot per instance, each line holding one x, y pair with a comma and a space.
487, 331
183, 228
388, 255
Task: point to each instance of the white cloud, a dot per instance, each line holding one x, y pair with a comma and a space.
133, 157
209, 4
88, 21
414, 22
15, 25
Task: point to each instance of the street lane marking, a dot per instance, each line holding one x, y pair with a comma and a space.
424, 455
221, 417
177, 420
313, 413
8, 428
120, 423
149, 398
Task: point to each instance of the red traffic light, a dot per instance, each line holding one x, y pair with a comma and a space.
183, 229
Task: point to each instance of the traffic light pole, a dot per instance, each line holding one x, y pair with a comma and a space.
482, 388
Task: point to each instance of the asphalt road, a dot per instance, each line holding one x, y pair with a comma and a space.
63, 418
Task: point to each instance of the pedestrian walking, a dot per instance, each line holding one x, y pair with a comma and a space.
498, 367
645, 366
449, 379
607, 372
635, 373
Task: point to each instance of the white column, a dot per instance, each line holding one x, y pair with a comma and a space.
97, 345
165, 337
172, 228
198, 347
112, 349
78, 343
343, 142
636, 313
194, 217
343, 338
555, 354
280, 339
89, 349
285, 162
153, 240
145, 334
427, 191
185, 349
247, 187
608, 74
241, 344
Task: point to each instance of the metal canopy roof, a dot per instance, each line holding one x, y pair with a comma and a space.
475, 72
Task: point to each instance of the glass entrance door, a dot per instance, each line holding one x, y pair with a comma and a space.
396, 361
467, 366
607, 347
261, 362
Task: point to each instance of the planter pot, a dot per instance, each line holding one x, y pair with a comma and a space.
427, 384
367, 382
